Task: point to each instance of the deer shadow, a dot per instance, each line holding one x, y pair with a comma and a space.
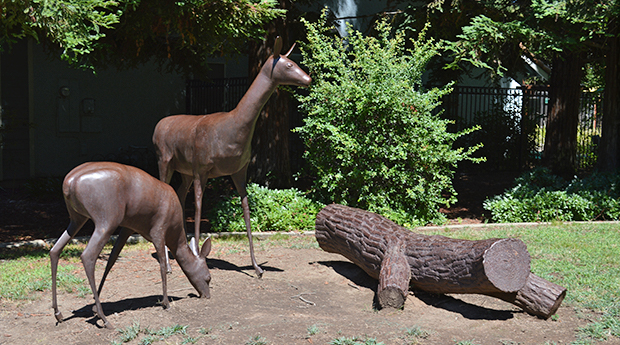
449, 303
229, 266
109, 308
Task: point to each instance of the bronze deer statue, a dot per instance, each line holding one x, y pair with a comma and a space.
115, 195
219, 144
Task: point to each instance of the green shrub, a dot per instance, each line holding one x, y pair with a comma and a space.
270, 210
539, 196
373, 136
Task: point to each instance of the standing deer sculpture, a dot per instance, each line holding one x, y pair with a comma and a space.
115, 195
219, 144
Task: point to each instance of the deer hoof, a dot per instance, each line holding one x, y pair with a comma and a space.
58, 316
259, 273
107, 325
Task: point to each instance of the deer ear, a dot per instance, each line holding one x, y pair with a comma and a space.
206, 248
290, 50
277, 47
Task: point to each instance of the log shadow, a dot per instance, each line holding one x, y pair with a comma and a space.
467, 310
109, 308
353, 273
449, 303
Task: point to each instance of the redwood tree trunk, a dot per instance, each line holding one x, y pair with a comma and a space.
563, 114
609, 151
270, 162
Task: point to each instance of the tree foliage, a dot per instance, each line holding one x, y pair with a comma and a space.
568, 36
178, 35
372, 133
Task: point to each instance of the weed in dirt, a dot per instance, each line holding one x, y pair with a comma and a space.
167, 332
129, 333
257, 340
132, 332
355, 341
414, 334
465, 342
509, 342
190, 340
313, 330
149, 339
204, 331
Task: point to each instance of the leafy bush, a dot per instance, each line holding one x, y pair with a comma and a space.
270, 210
373, 136
539, 196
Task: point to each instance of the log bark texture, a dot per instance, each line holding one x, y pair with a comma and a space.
400, 259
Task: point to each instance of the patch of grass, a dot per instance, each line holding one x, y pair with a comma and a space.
414, 334
167, 332
355, 341
509, 342
313, 330
132, 332
257, 340
190, 340
581, 257
465, 342
129, 333
21, 276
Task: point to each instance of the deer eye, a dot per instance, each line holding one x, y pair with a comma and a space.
289, 65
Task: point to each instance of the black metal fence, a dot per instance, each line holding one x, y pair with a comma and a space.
513, 121
215, 95
513, 124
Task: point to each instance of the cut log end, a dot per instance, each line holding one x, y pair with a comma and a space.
391, 297
507, 264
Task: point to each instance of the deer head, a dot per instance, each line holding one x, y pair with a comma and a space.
284, 71
196, 269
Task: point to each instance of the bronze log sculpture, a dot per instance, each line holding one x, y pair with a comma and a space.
400, 259
115, 195
209, 146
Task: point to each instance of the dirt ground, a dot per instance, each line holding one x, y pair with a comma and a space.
307, 296
304, 290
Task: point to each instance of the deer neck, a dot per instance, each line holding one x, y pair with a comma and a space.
183, 254
257, 95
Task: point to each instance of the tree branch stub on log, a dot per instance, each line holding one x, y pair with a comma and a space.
399, 258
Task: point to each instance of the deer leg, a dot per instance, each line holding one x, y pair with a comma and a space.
116, 250
77, 221
89, 257
165, 175
160, 248
199, 184
239, 180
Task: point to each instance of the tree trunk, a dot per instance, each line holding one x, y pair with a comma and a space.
563, 115
270, 162
609, 150
399, 258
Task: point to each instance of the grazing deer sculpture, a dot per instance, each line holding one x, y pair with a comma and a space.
115, 195
209, 146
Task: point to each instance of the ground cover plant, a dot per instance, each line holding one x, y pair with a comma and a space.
373, 136
271, 210
539, 196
